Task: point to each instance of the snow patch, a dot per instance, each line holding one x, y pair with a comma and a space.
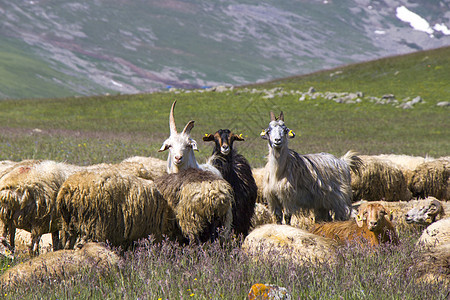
416, 21
442, 28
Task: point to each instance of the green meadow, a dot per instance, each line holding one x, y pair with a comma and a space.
89, 130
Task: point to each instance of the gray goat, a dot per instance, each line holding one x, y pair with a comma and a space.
295, 182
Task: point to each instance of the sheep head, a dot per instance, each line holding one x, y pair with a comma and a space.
372, 214
277, 133
425, 214
180, 146
224, 140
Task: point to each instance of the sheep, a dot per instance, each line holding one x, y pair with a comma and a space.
289, 243
181, 148
155, 166
315, 181
435, 235
202, 203
22, 241
379, 178
431, 178
428, 212
261, 216
27, 200
259, 175
115, 204
399, 209
371, 226
236, 170
432, 266
61, 265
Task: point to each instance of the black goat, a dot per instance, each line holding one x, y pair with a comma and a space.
236, 170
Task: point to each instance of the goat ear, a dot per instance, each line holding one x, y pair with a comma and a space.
193, 144
291, 134
359, 220
272, 116
236, 137
164, 147
263, 135
208, 137
281, 117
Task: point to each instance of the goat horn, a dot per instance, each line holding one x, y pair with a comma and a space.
281, 117
173, 128
272, 116
187, 129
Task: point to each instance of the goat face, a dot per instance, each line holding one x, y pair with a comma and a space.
425, 214
180, 146
224, 139
277, 133
372, 214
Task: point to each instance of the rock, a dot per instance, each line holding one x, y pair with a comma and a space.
416, 100
443, 104
260, 291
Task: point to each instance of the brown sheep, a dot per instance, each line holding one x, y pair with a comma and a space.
371, 226
431, 178
60, 265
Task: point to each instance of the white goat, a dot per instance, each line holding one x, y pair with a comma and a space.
181, 149
295, 182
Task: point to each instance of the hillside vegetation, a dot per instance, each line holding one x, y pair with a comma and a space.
88, 130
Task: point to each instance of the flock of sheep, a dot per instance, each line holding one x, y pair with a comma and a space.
323, 201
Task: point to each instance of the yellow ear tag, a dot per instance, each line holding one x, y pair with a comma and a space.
241, 136
206, 134
263, 133
291, 133
358, 217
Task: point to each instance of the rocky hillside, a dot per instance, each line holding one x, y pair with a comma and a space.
52, 48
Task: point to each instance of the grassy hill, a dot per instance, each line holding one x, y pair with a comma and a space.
88, 130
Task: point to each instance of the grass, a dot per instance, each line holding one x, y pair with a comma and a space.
88, 130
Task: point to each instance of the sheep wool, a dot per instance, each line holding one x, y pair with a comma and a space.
201, 201
28, 198
378, 179
115, 206
431, 178
60, 265
293, 244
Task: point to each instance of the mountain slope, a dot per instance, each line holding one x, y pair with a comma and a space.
95, 47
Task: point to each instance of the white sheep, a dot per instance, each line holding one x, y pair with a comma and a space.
61, 265
435, 235
295, 182
114, 203
27, 199
272, 241
155, 166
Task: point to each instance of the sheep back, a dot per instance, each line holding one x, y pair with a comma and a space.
154, 166
432, 266
436, 234
107, 205
201, 201
28, 194
431, 178
60, 265
289, 243
377, 179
